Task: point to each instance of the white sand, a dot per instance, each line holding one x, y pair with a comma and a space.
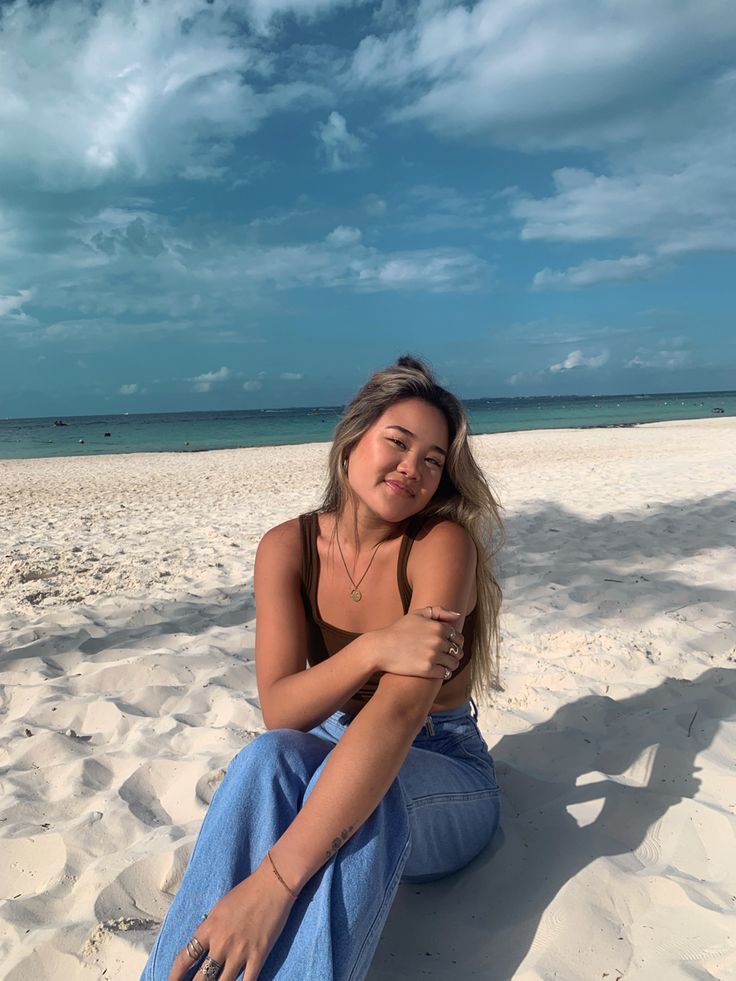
126, 631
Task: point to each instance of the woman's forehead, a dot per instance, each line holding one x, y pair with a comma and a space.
418, 417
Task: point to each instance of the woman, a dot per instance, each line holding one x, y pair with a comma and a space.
374, 770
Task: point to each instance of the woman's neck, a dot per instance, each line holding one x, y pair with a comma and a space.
362, 530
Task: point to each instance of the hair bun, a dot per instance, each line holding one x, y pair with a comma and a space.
415, 364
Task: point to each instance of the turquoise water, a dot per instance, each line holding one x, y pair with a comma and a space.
195, 431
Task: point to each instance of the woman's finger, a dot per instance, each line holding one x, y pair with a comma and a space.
182, 963
217, 966
445, 642
229, 973
438, 613
445, 616
252, 969
194, 950
447, 660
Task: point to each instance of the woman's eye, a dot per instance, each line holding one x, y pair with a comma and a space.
397, 442
432, 460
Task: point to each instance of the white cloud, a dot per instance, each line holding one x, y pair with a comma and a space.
661, 359
204, 383
669, 199
344, 235
119, 231
439, 272
541, 74
132, 90
130, 271
363, 268
692, 206
340, 149
576, 359
252, 385
291, 376
10, 306
353, 266
129, 389
647, 83
595, 271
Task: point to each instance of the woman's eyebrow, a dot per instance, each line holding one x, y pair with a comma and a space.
408, 432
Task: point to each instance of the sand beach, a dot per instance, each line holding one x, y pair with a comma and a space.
127, 683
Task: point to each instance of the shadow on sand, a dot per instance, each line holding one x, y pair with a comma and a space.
481, 922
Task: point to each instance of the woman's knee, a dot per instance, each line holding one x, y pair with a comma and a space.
281, 748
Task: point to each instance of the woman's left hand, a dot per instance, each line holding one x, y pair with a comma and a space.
241, 928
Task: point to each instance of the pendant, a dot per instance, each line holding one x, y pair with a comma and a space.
356, 596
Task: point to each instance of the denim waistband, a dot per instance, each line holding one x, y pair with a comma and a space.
343, 719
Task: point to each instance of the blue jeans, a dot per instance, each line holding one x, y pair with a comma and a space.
440, 811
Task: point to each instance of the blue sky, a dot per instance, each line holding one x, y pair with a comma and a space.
212, 205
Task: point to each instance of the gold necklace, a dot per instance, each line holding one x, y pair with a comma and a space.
355, 595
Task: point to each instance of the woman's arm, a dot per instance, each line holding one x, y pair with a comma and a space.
362, 766
294, 698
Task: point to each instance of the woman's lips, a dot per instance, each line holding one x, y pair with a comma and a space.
398, 488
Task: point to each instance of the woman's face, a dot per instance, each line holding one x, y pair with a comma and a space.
396, 466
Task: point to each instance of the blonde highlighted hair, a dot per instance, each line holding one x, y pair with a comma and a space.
463, 495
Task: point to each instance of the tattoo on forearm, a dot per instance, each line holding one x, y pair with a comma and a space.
337, 842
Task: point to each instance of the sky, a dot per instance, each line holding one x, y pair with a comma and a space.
212, 205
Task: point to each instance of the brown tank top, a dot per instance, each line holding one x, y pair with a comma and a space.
324, 639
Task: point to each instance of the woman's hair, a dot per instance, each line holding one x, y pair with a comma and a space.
463, 494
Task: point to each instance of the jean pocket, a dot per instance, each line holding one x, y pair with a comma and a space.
473, 749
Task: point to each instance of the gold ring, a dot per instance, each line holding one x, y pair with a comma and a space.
194, 948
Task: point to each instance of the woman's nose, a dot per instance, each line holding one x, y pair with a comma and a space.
408, 465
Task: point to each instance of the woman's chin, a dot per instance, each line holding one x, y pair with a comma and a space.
395, 507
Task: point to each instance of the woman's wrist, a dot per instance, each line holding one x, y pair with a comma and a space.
289, 859
274, 883
369, 651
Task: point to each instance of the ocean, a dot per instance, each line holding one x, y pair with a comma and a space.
197, 431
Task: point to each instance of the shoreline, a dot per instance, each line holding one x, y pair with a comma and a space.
127, 636
276, 446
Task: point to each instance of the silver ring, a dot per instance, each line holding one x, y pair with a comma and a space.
194, 949
210, 969
453, 649
448, 674
453, 634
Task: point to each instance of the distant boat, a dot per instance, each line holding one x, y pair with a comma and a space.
60, 422
718, 409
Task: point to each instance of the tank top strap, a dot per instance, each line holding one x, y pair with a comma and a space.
405, 590
309, 528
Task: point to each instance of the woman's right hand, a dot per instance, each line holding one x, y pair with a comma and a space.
422, 644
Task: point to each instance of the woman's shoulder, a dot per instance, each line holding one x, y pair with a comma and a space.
443, 548
444, 532
283, 540
441, 534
